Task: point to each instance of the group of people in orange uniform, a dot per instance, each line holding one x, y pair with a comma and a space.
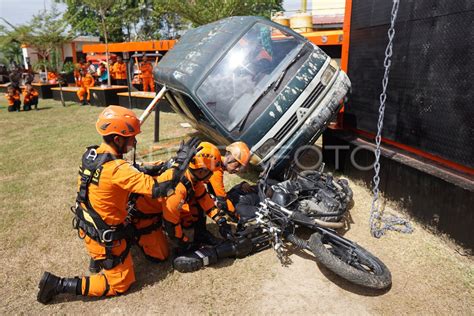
85, 76
30, 98
120, 204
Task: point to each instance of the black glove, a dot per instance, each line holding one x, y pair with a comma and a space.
163, 189
184, 155
187, 151
225, 229
153, 170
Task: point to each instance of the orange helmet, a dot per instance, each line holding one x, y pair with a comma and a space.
240, 151
208, 157
117, 120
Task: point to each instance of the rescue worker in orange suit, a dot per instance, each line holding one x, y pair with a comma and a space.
30, 98
235, 160
146, 69
145, 215
77, 72
87, 81
105, 183
192, 191
119, 71
13, 98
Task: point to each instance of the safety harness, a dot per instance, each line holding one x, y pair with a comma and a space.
87, 221
134, 215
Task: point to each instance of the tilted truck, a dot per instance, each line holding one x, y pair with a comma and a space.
250, 79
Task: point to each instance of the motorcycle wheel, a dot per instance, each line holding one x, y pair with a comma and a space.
353, 263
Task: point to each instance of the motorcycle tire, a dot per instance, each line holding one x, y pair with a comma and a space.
362, 268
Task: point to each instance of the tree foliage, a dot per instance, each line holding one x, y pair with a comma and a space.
127, 20
10, 43
46, 32
201, 12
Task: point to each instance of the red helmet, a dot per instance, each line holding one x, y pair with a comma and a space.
208, 157
117, 120
240, 151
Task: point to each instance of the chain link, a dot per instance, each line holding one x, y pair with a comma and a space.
380, 223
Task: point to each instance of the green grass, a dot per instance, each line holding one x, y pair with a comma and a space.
41, 153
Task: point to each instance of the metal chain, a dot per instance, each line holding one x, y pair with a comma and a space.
379, 223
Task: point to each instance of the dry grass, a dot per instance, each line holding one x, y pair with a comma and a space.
38, 168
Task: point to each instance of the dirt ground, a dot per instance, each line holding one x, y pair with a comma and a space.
37, 175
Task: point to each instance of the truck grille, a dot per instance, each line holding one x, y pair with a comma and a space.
294, 118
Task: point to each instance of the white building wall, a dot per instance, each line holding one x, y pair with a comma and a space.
328, 7
67, 49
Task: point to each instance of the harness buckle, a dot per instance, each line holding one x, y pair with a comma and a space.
92, 154
106, 233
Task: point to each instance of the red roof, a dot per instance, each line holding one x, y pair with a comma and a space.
328, 19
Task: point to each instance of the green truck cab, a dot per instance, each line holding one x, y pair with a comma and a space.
249, 79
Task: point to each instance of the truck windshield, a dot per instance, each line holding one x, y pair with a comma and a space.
246, 71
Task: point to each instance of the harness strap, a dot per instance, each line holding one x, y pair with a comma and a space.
111, 260
87, 217
134, 214
189, 187
149, 229
202, 195
98, 232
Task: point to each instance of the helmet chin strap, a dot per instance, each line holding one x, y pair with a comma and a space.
134, 153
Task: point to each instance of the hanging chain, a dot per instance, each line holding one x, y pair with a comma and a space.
379, 223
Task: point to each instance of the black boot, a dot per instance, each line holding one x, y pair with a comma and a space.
84, 102
194, 260
51, 285
94, 267
202, 235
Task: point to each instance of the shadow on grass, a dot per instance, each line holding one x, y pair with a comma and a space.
44, 108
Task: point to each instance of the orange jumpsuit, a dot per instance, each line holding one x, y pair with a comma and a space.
86, 82
146, 69
109, 197
30, 98
175, 211
217, 183
154, 244
14, 101
119, 71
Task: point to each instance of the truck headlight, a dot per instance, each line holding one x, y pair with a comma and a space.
255, 160
328, 74
267, 147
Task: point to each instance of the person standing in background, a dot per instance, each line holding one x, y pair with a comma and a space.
119, 70
146, 69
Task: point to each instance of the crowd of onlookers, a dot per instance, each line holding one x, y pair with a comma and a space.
86, 75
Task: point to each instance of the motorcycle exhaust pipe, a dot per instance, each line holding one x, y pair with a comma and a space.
334, 225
